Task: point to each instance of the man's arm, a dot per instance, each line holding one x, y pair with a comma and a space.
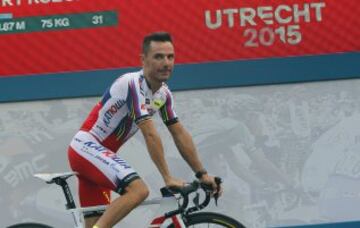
186, 146
156, 151
187, 149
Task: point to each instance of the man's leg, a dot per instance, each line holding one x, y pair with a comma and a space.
101, 170
90, 222
136, 192
92, 195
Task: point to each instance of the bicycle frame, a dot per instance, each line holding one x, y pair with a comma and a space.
160, 219
163, 215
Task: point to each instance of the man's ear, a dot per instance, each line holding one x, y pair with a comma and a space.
142, 58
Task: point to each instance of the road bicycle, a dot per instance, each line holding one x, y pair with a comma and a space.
174, 210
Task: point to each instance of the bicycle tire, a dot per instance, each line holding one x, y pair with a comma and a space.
210, 218
29, 225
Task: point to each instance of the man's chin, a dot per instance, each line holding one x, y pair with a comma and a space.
164, 77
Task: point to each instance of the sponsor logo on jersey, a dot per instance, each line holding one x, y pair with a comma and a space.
158, 103
118, 160
78, 140
121, 162
101, 129
95, 146
113, 167
103, 160
109, 114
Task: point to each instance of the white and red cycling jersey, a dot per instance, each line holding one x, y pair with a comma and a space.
92, 152
129, 100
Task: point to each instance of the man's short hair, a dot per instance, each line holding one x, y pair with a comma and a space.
157, 37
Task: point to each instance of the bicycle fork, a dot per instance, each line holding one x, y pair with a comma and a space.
167, 214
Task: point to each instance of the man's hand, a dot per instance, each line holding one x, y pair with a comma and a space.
174, 182
210, 180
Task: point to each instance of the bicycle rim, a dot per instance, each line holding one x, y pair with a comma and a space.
210, 220
29, 225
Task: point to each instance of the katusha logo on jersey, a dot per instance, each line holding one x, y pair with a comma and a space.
109, 114
95, 146
115, 158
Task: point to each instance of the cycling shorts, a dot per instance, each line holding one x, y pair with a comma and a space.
100, 170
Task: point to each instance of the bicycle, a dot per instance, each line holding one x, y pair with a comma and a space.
166, 216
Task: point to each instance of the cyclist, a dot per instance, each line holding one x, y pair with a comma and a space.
126, 106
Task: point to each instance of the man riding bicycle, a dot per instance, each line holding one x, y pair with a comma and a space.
126, 106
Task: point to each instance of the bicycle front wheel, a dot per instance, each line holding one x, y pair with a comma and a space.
29, 225
209, 219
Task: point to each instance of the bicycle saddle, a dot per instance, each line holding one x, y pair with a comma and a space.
51, 177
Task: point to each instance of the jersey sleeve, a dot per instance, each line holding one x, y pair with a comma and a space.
136, 102
167, 111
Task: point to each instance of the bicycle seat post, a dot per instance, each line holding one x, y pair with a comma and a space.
70, 203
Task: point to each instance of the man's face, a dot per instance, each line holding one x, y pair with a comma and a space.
158, 63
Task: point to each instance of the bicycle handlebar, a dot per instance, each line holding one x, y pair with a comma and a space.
190, 188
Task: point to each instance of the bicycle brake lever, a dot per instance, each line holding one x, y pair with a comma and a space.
196, 200
218, 182
216, 197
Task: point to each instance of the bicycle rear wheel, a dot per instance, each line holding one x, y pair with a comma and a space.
29, 225
209, 219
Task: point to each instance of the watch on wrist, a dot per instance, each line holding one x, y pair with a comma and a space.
200, 173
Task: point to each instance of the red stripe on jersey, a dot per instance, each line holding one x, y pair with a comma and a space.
112, 142
92, 118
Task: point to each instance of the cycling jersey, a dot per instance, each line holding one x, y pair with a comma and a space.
110, 124
128, 101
